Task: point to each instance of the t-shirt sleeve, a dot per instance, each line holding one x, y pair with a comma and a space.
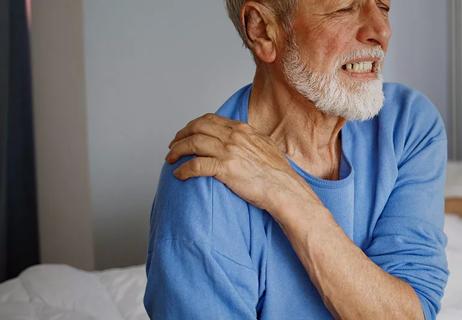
187, 277
408, 240
189, 280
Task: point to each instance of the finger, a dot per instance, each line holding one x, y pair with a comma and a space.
205, 128
217, 119
198, 167
209, 124
198, 144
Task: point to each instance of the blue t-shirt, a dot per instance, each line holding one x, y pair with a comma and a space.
214, 256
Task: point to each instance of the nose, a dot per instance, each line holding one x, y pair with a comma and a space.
375, 27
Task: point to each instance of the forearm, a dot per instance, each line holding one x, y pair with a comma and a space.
351, 285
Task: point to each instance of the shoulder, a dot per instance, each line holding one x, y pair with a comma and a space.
410, 118
234, 106
182, 209
411, 110
200, 208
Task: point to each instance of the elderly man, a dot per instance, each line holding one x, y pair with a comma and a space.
316, 192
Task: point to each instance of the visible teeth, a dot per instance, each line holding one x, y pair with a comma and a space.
360, 67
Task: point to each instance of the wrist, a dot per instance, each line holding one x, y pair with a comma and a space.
294, 200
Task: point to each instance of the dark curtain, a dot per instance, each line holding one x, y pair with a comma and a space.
18, 206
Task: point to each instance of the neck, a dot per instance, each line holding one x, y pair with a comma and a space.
299, 129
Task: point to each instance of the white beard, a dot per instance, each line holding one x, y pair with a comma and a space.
351, 100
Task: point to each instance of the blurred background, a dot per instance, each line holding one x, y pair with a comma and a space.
109, 84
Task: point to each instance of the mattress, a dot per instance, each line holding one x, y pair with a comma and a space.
60, 292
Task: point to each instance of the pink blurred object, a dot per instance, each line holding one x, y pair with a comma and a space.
29, 11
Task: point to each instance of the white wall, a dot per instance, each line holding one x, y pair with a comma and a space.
150, 67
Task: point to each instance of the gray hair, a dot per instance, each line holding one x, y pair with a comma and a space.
283, 10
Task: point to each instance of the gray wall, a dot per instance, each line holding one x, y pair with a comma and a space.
418, 55
112, 92
150, 67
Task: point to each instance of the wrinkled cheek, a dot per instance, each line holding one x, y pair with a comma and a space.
331, 42
330, 55
330, 52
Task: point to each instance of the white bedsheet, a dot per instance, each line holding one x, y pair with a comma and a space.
452, 301
60, 292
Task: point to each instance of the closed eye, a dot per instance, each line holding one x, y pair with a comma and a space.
351, 8
345, 9
383, 6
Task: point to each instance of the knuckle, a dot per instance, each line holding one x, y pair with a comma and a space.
195, 126
193, 143
209, 116
191, 122
195, 166
220, 171
236, 136
177, 134
216, 166
242, 126
219, 145
230, 147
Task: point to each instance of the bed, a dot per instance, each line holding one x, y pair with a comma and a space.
452, 301
60, 292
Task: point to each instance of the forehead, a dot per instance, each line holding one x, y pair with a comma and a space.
332, 4
326, 3
309, 7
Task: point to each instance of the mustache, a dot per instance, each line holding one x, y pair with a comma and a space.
374, 53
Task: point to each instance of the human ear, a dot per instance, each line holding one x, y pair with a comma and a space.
260, 29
